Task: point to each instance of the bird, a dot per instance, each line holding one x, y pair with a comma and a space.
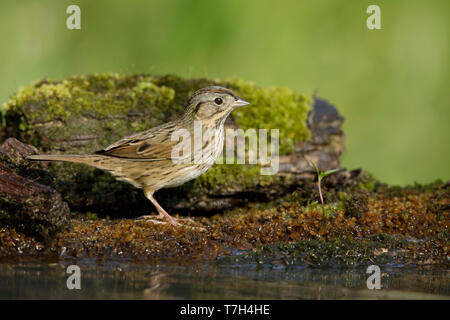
170, 154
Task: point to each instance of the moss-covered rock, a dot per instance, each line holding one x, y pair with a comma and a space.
84, 113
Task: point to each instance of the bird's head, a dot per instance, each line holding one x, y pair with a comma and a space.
214, 103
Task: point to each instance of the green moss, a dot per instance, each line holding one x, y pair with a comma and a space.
330, 208
273, 108
233, 176
91, 215
367, 181
95, 103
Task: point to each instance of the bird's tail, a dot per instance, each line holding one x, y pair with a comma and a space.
88, 159
110, 164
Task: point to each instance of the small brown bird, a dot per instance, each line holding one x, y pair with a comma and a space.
155, 158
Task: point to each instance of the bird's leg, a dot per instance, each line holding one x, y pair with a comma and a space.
162, 213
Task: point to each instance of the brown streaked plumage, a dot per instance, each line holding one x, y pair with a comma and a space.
145, 159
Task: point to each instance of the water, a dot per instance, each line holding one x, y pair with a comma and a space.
130, 280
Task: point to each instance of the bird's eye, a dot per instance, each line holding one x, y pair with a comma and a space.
218, 101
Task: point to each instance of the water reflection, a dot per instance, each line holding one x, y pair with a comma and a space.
116, 280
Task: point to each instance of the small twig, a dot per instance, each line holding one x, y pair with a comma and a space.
320, 176
321, 197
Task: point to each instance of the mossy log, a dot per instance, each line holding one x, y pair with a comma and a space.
82, 114
25, 202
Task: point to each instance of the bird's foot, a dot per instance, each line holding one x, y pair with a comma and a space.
159, 219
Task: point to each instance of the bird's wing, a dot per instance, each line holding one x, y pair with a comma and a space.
146, 146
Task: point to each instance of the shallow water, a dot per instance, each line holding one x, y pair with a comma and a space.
120, 280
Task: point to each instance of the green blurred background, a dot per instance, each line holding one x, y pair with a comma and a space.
391, 85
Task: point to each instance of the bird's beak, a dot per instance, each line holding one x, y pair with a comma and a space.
240, 103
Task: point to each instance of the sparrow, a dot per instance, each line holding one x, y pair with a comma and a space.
170, 154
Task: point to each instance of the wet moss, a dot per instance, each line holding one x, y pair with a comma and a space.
16, 245
367, 182
341, 252
388, 230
